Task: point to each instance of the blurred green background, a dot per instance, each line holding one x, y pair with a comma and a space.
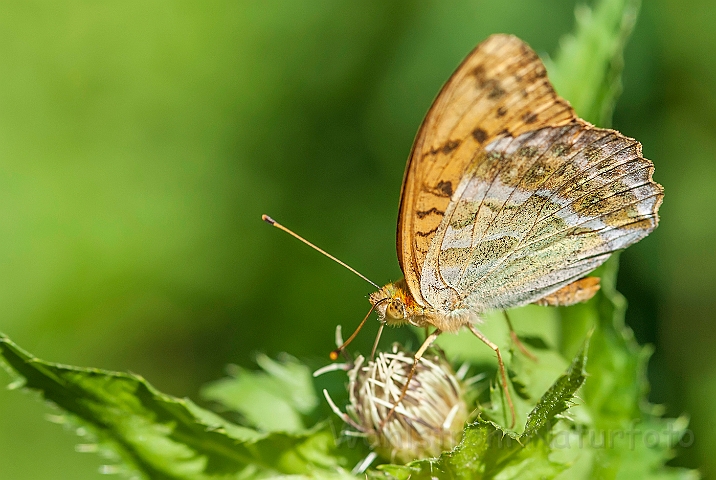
141, 141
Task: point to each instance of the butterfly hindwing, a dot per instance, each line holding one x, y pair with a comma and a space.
536, 212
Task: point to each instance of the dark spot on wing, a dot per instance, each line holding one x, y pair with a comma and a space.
450, 145
445, 188
501, 111
479, 134
428, 233
529, 117
425, 213
479, 73
494, 87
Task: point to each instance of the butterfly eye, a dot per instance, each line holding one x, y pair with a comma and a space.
395, 310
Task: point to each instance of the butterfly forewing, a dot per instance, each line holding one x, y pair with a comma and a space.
508, 196
500, 87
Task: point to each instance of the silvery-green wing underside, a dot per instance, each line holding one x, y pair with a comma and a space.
536, 212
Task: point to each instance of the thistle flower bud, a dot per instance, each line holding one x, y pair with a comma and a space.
427, 421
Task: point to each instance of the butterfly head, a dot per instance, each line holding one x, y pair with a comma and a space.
394, 304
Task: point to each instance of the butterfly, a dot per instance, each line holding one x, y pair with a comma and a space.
509, 198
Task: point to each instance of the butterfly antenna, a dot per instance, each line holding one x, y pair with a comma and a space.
273, 222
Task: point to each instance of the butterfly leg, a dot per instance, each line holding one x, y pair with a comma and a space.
501, 365
377, 338
516, 339
426, 344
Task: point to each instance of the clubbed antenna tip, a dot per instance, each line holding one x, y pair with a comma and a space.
274, 223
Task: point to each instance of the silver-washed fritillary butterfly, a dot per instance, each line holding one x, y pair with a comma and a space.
509, 198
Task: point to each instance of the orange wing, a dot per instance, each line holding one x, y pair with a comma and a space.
501, 88
575, 292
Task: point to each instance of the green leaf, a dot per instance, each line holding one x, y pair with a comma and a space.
587, 69
557, 399
489, 451
164, 437
275, 400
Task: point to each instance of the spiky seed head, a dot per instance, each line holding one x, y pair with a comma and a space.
428, 420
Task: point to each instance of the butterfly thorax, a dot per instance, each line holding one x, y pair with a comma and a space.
396, 306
